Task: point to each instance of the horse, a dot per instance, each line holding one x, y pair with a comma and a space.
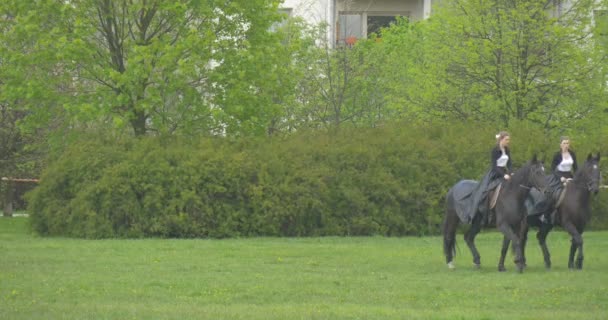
572, 214
509, 211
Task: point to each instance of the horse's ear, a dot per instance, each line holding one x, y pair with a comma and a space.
589, 157
598, 156
535, 158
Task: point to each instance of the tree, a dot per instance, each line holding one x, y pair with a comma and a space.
161, 66
17, 157
343, 85
10, 142
499, 61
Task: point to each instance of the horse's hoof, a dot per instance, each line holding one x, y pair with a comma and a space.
502, 269
477, 266
451, 265
520, 269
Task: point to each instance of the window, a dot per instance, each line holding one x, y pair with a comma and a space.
352, 25
350, 28
286, 13
375, 23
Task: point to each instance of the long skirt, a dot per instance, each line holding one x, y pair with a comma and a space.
489, 182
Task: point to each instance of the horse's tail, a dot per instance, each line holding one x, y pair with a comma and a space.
448, 228
449, 244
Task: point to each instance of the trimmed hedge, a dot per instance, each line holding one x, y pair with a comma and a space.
384, 181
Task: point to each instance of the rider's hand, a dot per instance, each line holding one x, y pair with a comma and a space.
507, 177
562, 179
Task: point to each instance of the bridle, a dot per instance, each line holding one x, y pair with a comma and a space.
537, 172
534, 171
590, 180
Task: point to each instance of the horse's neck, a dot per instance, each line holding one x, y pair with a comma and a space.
518, 184
517, 188
580, 191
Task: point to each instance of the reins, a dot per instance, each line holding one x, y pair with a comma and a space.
583, 185
528, 174
579, 183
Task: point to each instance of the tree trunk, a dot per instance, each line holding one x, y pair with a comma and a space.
138, 122
8, 199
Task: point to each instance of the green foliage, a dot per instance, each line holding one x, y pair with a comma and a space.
389, 180
17, 157
344, 85
497, 62
148, 66
81, 165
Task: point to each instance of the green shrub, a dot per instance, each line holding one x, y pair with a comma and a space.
387, 181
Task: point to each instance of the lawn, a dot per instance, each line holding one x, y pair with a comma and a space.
291, 278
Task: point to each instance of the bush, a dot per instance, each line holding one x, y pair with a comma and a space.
385, 181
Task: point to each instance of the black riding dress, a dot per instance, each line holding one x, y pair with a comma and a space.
554, 183
498, 168
557, 160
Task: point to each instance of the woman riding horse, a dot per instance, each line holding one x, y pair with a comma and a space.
500, 169
573, 212
509, 209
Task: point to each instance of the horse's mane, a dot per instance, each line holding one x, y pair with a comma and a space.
524, 170
521, 174
578, 175
580, 172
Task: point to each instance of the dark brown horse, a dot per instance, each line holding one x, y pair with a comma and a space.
509, 211
572, 214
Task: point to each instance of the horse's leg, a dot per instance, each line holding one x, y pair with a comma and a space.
524, 240
577, 243
469, 237
571, 256
543, 231
507, 230
580, 257
503, 254
450, 225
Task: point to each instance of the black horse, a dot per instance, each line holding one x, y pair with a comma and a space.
509, 211
572, 214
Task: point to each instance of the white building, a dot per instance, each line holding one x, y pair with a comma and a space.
349, 20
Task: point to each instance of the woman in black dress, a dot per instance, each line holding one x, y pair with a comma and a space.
500, 170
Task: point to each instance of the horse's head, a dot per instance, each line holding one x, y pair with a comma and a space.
532, 175
536, 174
590, 173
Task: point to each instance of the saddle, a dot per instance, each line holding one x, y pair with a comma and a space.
562, 194
493, 196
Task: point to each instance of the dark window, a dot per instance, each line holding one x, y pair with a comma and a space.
375, 23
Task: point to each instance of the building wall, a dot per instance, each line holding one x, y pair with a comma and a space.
412, 7
313, 11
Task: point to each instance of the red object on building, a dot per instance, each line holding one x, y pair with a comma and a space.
350, 40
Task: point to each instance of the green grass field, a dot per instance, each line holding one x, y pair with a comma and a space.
294, 278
